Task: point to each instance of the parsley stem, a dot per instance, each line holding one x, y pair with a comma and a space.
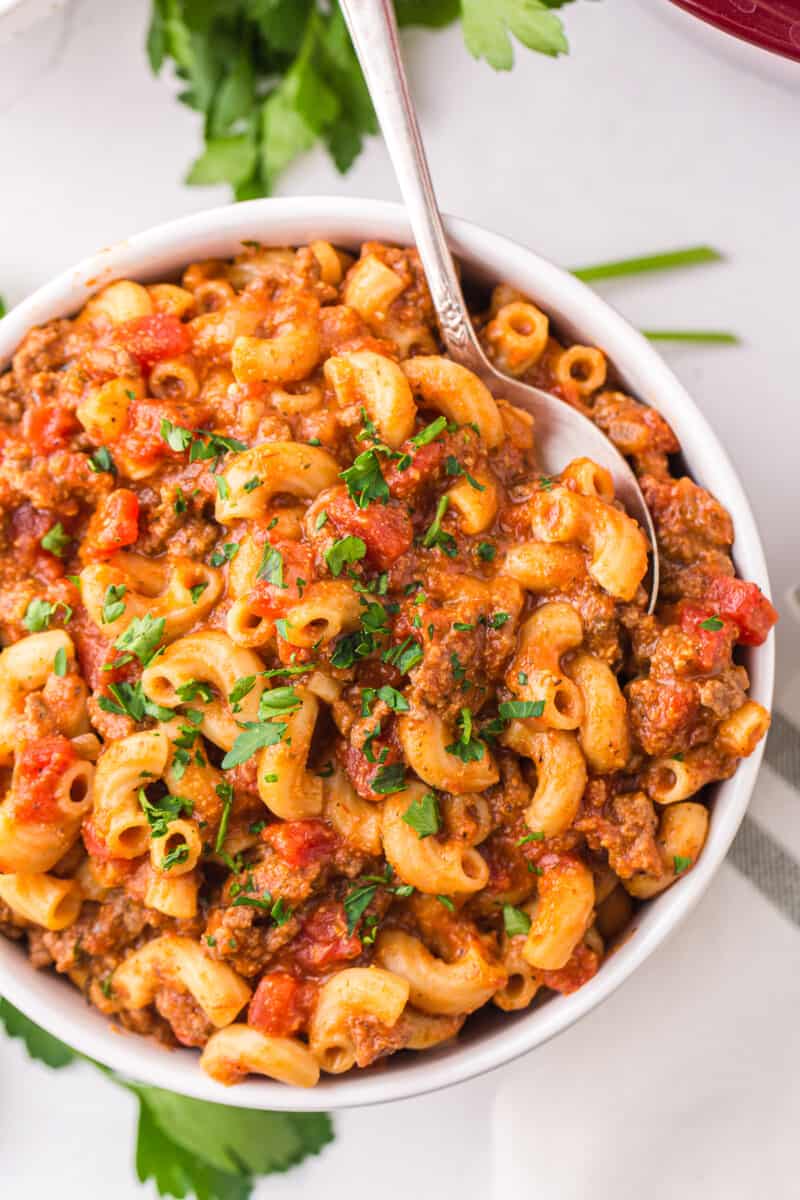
690, 256
712, 337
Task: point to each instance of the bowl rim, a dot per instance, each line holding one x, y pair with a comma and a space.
349, 220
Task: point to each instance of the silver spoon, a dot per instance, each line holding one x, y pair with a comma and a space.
562, 433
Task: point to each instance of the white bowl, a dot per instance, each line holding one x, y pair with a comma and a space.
16, 16
490, 1039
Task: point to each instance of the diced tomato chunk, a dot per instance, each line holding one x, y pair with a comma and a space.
95, 846
301, 842
424, 465
574, 974
39, 767
324, 938
48, 427
272, 600
150, 339
713, 636
385, 529
280, 1005
746, 605
115, 524
360, 770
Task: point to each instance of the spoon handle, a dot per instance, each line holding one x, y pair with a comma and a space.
373, 29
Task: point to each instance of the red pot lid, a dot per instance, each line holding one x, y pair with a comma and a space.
771, 24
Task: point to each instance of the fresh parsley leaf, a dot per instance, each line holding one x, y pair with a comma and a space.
515, 920
423, 815
467, 748
55, 541
499, 619
225, 554
160, 813
240, 689
101, 460
346, 550
430, 432
388, 779
488, 26
681, 863
215, 1152
435, 535
174, 857
129, 700
486, 551
223, 487
39, 1044
712, 624
356, 902
364, 479
197, 591
113, 604
447, 902
256, 735
396, 700
509, 709
142, 637
60, 661
40, 613
271, 567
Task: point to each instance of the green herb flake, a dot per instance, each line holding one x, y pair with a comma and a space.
344, 551
113, 603
60, 662
681, 863
515, 920
511, 709
55, 541
423, 815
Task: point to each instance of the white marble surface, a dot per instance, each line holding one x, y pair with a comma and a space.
641, 140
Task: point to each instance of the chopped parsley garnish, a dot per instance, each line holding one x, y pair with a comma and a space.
522, 677
240, 689
423, 815
176, 856
40, 613
321, 519
160, 813
225, 793
356, 903
510, 709
256, 735
388, 779
113, 604
447, 902
197, 590
364, 479
536, 836
346, 550
204, 445
486, 551
389, 695
252, 484
142, 638
60, 661
277, 700
453, 467
278, 909
463, 626
405, 655
179, 503
225, 554
546, 483
362, 642
712, 624
430, 432
194, 688
499, 619
681, 863
515, 920
55, 541
435, 535
223, 487
101, 460
129, 700
467, 748
271, 566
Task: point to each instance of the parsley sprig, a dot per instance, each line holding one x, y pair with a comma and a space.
273, 77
